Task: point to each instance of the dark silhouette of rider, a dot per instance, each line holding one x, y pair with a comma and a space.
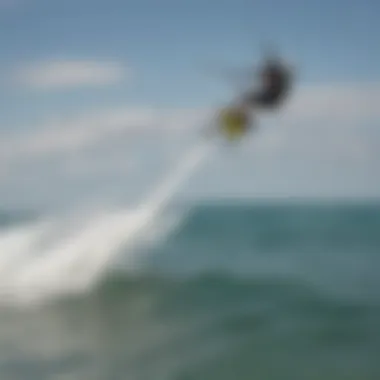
275, 84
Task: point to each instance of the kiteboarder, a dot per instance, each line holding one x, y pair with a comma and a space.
275, 83
275, 78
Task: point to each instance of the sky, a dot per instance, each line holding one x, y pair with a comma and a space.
99, 98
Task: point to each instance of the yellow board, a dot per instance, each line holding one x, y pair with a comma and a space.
233, 123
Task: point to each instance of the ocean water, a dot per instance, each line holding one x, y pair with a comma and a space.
216, 291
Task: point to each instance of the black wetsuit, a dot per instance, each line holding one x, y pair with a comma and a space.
275, 87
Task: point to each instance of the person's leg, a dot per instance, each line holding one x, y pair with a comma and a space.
259, 100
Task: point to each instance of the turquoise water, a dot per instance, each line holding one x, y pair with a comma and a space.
236, 292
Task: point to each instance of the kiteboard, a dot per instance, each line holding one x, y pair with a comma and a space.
231, 123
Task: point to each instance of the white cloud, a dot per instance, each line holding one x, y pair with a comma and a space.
329, 116
335, 121
65, 136
335, 103
324, 133
323, 114
61, 74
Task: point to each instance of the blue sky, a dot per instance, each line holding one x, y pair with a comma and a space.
65, 62
171, 43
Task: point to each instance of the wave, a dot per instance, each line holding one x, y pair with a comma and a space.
74, 254
70, 254
52, 257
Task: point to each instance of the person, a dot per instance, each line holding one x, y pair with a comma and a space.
275, 84
275, 79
